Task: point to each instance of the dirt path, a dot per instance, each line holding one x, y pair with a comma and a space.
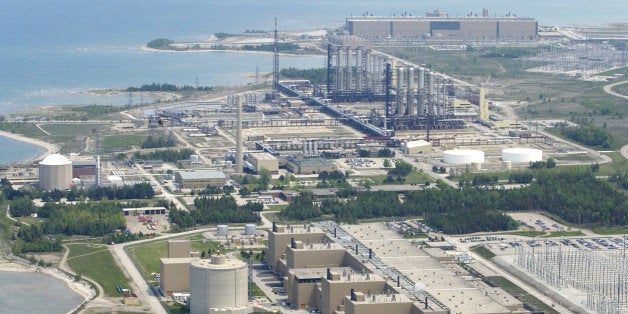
624, 151
609, 89
42, 129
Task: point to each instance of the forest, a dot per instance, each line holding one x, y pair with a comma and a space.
167, 155
589, 135
221, 210
159, 142
576, 197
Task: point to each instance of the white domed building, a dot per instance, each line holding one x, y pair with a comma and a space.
55, 172
522, 155
463, 156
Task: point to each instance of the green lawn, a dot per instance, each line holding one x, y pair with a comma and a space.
99, 266
147, 255
519, 293
482, 251
531, 234
610, 230
565, 234
124, 141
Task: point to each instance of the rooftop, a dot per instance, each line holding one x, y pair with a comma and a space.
219, 262
177, 260
383, 298
55, 159
262, 156
201, 174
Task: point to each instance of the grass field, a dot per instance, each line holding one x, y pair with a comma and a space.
147, 255
519, 293
482, 251
96, 262
124, 141
610, 230
565, 234
530, 234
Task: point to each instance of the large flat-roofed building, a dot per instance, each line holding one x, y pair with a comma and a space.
84, 167
309, 165
179, 248
200, 178
280, 236
466, 28
263, 160
175, 274
361, 303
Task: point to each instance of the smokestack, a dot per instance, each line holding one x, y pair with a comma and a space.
353, 296
398, 281
239, 157
430, 92
98, 171
483, 106
356, 249
339, 72
370, 253
329, 277
348, 69
274, 226
335, 235
292, 244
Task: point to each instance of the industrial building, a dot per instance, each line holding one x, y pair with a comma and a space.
175, 274
263, 160
320, 274
200, 178
416, 147
317, 165
472, 28
82, 168
55, 172
219, 285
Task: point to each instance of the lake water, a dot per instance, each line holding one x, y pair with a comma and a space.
14, 151
35, 293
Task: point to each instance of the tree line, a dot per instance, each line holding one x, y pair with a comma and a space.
159, 141
167, 87
216, 210
576, 197
167, 155
589, 135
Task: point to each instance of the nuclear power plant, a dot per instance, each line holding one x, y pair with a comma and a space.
55, 172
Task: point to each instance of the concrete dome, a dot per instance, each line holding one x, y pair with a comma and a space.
522, 154
463, 156
55, 160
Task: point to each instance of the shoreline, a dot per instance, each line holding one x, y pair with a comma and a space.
81, 288
49, 148
229, 50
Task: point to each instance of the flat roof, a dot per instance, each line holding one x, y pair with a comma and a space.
201, 174
178, 260
320, 247
297, 229
383, 298
263, 156
314, 273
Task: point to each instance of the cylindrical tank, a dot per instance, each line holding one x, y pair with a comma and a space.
410, 92
55, 172
218, 285
222, 230
522, 154
399, 90
463, 156
250, 229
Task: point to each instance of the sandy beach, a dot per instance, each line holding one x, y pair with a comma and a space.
50, 148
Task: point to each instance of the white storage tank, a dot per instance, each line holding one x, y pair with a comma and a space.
222, 230
55, 172
463, 156
250, 229
522, 154
218, 285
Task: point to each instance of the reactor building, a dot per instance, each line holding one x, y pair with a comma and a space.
55, 172
219, 285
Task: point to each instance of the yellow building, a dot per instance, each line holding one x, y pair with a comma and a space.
263, 160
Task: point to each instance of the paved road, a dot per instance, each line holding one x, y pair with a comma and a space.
624, 151
609, 89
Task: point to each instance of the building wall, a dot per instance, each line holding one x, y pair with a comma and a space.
217, 288
55, 177
267, 161
199, 183
178, 249
314, 258
333, 292
377, 308
301, 295
175, 277
278, 241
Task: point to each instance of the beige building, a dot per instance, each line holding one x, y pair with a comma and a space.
179, 248
280, 236
175, 274
263, 160
417, 147
309, 165
200, 178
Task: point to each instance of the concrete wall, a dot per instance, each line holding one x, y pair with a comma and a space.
278, 241
333, 292
178, 248
301, 295
175, 277
296, 258
352, 307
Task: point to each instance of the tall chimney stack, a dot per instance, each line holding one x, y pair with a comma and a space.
239, 157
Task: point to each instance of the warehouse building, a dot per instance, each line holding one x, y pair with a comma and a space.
452, 28
309, 165
200, 178
263, 160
